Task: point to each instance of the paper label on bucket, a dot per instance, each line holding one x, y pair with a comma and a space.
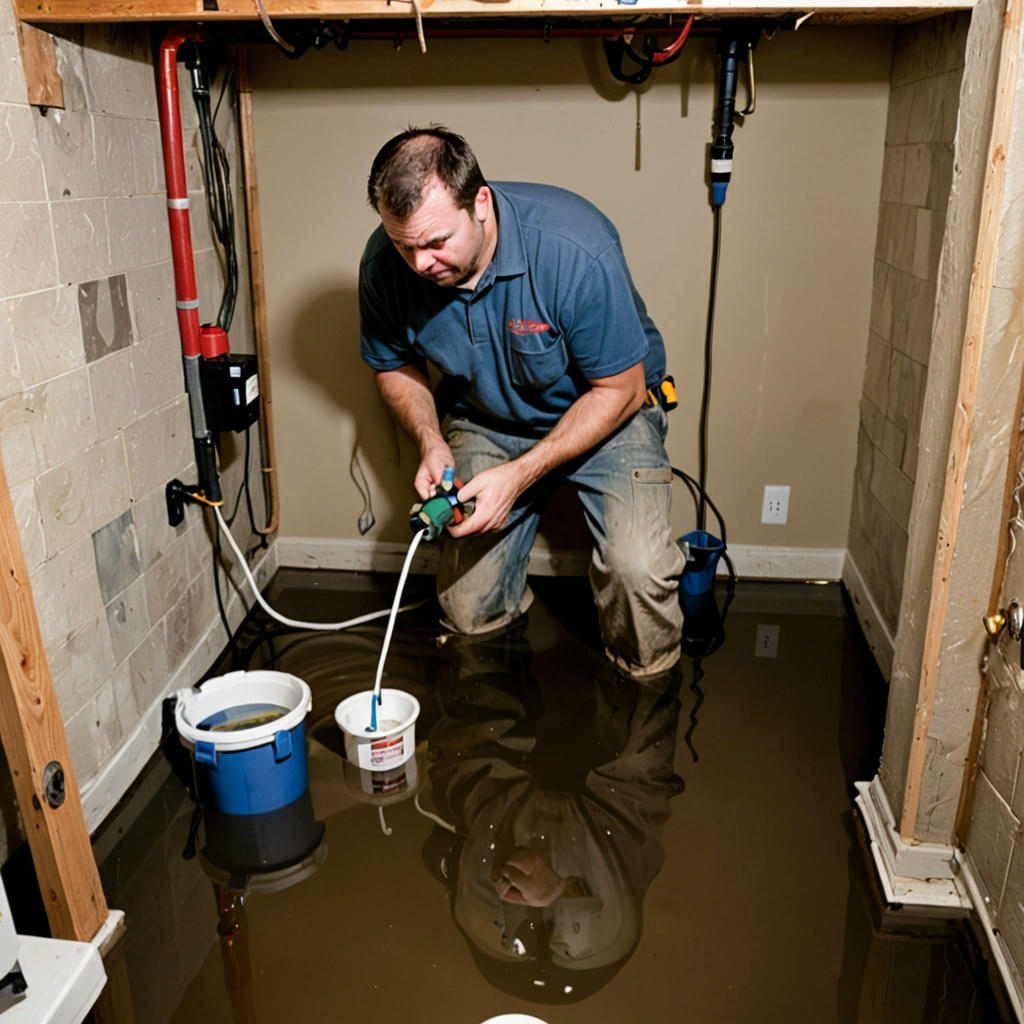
386, 752
392, 784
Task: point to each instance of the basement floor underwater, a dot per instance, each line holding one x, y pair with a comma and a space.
721, 871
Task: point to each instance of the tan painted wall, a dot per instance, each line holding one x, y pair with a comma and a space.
796, 270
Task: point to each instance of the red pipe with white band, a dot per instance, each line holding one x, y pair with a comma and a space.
186, 294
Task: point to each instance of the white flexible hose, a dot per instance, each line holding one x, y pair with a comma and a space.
430, 814
298, 624
394, 611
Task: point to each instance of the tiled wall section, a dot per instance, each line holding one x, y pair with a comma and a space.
93, 416
916, 177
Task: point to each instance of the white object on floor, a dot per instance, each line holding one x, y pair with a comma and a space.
514, 1018
64, 980
8, 936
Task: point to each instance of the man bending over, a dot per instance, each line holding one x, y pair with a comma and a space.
520, 297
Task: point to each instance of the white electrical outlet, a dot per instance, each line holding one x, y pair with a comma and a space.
775, 506
767, 645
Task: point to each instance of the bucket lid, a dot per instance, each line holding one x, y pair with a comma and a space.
194, 707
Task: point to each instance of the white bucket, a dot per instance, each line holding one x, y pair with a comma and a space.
394, 740
389, 786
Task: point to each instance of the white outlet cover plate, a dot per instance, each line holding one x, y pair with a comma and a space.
767, 644
775, 504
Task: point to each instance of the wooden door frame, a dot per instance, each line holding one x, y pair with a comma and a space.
32, 731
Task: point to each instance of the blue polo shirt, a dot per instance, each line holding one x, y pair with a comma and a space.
555, 307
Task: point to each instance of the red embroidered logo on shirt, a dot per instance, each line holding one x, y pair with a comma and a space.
527, 326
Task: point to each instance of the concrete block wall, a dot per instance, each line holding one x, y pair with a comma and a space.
917, 172
93, 416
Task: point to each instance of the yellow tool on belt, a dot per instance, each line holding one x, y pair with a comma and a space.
663, 394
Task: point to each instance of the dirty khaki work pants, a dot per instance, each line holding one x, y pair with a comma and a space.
625, 488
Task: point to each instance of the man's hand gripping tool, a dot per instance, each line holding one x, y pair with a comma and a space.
444, 507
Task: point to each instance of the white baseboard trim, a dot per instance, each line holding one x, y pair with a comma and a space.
102, 792
880, 640
753, 561
924, 876
353, 555
1008, 971
954, 896
771, 562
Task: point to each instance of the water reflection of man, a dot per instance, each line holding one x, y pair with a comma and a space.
557, 816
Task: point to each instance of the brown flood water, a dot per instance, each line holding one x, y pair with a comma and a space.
684, 850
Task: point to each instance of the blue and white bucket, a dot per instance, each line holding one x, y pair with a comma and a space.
247, 734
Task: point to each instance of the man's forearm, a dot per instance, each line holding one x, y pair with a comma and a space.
407, 394
588, 421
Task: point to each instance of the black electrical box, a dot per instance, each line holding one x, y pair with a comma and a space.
231, 391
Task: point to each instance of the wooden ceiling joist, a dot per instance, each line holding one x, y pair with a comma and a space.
824, 12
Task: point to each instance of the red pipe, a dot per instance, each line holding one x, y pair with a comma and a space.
661, 56
177, 188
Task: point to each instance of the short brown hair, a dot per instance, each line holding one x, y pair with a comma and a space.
408, 161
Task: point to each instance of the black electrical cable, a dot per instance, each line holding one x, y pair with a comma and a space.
225, 203
217, 181
620, 47
229, 520
691, 485
243, 488
262, 534
698, 675
696, 489
705, 401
